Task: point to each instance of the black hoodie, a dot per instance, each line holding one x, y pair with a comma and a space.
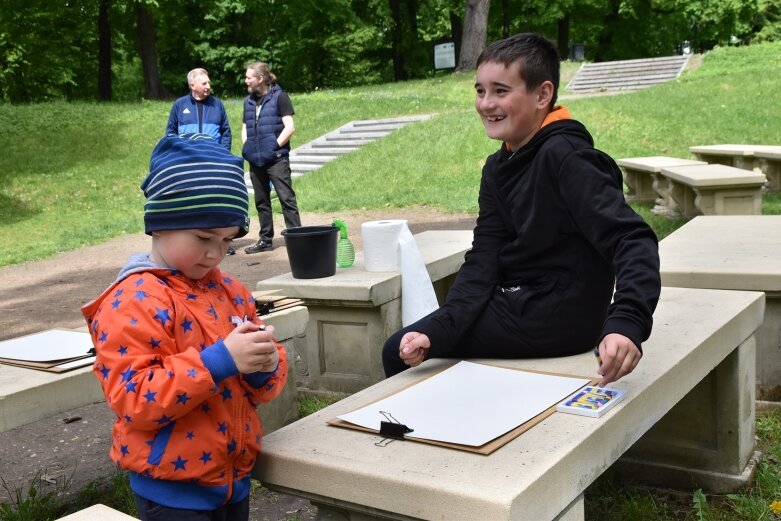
554, 228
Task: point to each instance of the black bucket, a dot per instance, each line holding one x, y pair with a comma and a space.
311, 250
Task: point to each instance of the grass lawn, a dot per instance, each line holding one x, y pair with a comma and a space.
70, 174
71, 171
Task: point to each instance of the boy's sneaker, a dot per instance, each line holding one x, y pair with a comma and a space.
259, 246
231, 251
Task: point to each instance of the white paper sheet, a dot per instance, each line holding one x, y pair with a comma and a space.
54, 344
469, 403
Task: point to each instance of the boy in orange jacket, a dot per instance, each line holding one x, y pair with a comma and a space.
181, 355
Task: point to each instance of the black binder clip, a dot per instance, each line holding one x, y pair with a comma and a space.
391, 429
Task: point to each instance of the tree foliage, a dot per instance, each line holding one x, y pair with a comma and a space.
52, 50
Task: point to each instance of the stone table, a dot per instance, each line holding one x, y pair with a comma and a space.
734, 252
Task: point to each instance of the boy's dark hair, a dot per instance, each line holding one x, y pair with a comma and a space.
537, 58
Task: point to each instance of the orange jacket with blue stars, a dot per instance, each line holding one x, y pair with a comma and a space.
187, 429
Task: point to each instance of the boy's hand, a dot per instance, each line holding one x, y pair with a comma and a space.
619, 357
253, 349
414, 348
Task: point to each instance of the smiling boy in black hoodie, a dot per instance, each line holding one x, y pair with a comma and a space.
554, 236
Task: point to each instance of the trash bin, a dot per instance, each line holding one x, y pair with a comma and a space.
577, 52
311, 251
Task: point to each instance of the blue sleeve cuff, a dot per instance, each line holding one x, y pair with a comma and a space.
219, 362
258, 379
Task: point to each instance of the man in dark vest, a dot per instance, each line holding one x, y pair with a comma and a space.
268, 125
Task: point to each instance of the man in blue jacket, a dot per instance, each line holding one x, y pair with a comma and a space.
199, 112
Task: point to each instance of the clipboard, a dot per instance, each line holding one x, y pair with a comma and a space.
486, 448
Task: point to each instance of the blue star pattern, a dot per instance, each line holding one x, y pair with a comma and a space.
180, 463
151, 331
163, 315
128, 374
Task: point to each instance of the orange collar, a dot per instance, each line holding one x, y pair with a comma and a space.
559, 113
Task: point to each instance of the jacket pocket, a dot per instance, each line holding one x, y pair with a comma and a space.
530, 299
159, 444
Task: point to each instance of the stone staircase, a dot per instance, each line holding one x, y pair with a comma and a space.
343, 140
627, 74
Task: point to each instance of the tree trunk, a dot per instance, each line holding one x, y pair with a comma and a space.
475, 29
153, 87
104, 52
456, 31
563, 37
399, 71
505, 18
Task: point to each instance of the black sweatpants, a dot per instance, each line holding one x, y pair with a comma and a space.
511, 325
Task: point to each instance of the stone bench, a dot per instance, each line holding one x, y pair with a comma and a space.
642, 173
98, 513
27, 395
712, 189
352, 312
734, 252
687, 419
739, 156
770, 163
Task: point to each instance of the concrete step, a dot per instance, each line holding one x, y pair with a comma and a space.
318, 159
347, 138
357, 134
304, 167
342, 141
322, 151
627, 74
334, 147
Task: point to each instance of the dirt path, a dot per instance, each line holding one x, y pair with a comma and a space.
73, 446
47, 294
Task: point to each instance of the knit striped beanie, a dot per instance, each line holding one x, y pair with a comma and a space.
194, 183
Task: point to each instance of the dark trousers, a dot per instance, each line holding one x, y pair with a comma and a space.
508, 327
151, 511
279, 174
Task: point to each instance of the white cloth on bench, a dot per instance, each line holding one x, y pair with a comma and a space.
389, 246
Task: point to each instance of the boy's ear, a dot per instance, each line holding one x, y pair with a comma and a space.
544, 94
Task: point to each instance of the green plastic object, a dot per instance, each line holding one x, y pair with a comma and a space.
345, 252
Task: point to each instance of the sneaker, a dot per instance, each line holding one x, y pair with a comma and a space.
231, 251
259, 246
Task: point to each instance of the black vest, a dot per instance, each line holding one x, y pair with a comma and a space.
261, 147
